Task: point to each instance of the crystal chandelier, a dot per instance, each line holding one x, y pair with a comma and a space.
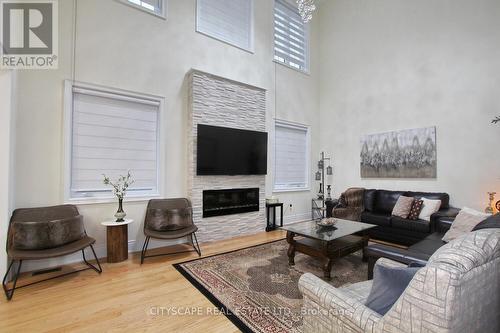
306, 8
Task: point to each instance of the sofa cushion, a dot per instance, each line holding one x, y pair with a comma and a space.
428, 245
465, 221
376, 218
386, 200
491, 222
413, 225
429, 207
369, 199
444, 197
29, 235
388, 285
403, 207
358, 291
416, 207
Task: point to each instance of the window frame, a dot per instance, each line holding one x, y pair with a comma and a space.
95, 90
162, 14
251, 48
297, 126
307, 37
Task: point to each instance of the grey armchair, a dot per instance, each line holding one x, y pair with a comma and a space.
45, 232
457, 291
169, 219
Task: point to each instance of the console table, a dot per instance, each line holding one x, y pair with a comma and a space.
117, 240
271, 213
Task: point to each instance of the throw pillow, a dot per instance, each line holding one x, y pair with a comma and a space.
429, 207
416, 207
475, 212
403, 207
388, 284
491, 222
465, 221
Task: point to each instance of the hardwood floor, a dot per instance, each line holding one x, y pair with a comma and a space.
125, 297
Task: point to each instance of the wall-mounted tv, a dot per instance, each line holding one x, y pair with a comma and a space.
229, 151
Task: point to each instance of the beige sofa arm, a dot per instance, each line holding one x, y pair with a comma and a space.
327, 309
389, 263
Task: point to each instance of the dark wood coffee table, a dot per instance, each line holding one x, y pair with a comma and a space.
328, 243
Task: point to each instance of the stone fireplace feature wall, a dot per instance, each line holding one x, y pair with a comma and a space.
221, 102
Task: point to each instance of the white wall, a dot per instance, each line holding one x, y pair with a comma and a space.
392, 64
6, 98
297, 100
122, 47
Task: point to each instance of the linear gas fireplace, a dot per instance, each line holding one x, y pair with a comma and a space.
231, 201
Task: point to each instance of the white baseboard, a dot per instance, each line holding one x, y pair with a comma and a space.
287, 219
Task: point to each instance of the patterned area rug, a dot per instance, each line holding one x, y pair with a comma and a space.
257, 289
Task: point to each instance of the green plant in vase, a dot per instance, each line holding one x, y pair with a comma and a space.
120, 190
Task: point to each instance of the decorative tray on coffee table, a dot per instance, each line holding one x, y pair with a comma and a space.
327, 222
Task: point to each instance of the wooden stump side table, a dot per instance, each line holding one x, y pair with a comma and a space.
117, 240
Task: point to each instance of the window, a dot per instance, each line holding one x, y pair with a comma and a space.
291, 37
156, 7
110, 132
291, 153
230, 21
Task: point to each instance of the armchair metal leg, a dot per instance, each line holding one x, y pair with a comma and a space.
194, 243
10, 292
97, 269
144, 249
197, 246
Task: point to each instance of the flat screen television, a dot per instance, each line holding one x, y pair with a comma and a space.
229, 151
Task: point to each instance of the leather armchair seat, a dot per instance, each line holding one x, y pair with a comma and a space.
59, 251
171, 234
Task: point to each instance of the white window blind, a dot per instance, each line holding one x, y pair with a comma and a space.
291, 157
228, 20
291, 37
154, 6
111, 134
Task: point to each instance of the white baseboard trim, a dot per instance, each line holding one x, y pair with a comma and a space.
287, 219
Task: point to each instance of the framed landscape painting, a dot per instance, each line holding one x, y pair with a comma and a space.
400, 154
